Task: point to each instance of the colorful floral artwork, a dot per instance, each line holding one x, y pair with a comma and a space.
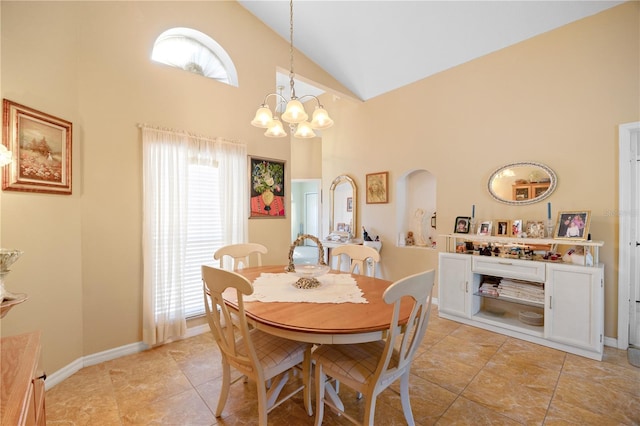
267, 187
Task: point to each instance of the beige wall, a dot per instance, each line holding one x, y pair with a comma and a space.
88, 62
556, 99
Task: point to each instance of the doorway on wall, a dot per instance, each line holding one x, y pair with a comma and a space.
305, 216
629, 237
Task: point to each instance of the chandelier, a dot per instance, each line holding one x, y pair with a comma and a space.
294, 113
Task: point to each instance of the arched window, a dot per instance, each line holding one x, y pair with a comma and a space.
196, 52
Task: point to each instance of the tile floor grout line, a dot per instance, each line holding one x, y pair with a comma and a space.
555, 389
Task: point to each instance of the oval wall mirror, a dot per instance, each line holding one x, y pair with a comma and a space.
522, 183
343, 207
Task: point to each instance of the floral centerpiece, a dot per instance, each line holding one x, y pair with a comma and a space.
267, 179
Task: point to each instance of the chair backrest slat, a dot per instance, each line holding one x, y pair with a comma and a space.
215, 282
405, 338
240, 255
360, 257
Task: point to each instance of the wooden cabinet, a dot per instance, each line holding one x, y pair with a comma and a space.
528, 191
22, 390
567, 298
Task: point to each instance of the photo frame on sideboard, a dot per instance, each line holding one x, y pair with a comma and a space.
573, 225
503, 227
462, 225
535, 229
516, 227
485, 228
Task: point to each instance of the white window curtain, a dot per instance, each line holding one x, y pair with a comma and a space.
181, 204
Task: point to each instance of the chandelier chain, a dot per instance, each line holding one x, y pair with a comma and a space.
291, 73
294, 113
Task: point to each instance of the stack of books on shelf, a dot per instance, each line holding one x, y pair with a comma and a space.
489, 286
521, 290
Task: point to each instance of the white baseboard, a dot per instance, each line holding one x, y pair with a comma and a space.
611, 341
86, 361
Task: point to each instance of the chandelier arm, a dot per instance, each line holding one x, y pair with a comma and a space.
311, 96
278, 95
294, 113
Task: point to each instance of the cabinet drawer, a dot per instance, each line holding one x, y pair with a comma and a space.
509, 268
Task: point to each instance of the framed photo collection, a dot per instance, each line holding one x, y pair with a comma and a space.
570, 225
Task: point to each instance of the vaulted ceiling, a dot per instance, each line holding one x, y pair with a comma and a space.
373, 47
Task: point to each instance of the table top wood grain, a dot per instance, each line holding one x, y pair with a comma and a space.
322, 322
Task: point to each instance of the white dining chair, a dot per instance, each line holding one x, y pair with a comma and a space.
268, 360
363, 259
369, 368
240, 255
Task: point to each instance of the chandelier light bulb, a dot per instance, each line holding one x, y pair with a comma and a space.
304, 131
275, 129
295, 112
263, 117
321, 119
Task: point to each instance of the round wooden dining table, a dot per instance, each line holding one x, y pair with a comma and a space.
322, 322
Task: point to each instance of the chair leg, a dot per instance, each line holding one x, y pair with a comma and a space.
320, 387
369, 410
224, 391
262, 402
306, 381
404, 397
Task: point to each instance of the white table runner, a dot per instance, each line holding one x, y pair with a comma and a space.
334, 288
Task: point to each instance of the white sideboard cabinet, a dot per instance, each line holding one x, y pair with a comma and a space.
567, 307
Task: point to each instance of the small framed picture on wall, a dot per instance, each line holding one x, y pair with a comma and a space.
377, 188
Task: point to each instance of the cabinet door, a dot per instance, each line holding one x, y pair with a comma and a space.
574, 306
521, 192
454, 274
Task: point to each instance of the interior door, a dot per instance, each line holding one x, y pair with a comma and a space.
634, 290
629, 236
312, 218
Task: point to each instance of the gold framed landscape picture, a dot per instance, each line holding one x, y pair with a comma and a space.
41, 148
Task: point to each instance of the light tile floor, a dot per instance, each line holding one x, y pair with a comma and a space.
461, 376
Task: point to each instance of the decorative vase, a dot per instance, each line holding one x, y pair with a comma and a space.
7, 258
267, 197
